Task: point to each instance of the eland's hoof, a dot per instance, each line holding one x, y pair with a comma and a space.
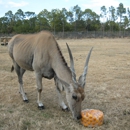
26, 100
66, 109
41, 107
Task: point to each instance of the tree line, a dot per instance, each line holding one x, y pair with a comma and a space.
110, 19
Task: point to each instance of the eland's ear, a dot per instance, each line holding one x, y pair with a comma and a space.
82, 78
56, 79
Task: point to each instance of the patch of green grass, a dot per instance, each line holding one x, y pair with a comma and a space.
10, 111
106, 121
25, 125
1, 106
1, 123
47, 115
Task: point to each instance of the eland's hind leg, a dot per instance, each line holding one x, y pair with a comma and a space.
20, 72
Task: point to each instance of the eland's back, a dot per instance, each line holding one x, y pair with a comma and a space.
30, 49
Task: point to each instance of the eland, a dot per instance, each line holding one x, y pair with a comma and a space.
41, 53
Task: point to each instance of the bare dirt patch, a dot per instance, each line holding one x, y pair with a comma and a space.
107, 89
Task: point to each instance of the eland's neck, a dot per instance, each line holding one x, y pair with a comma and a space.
60, 67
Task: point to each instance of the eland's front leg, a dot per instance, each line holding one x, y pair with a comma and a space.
39, 89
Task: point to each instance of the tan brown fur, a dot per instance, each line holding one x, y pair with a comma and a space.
41, 53
80, 91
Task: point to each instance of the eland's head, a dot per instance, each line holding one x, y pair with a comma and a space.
75, 94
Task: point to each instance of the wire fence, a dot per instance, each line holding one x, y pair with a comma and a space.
85, 34
93, 34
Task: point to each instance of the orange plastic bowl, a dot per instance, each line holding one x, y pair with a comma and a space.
91, 117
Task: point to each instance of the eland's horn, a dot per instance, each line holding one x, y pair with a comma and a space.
71, 64
82, 78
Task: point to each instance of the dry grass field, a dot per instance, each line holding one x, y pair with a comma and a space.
107, 89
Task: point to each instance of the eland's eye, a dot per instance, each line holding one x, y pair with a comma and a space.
74, 97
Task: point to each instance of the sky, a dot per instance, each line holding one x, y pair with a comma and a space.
39, 5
